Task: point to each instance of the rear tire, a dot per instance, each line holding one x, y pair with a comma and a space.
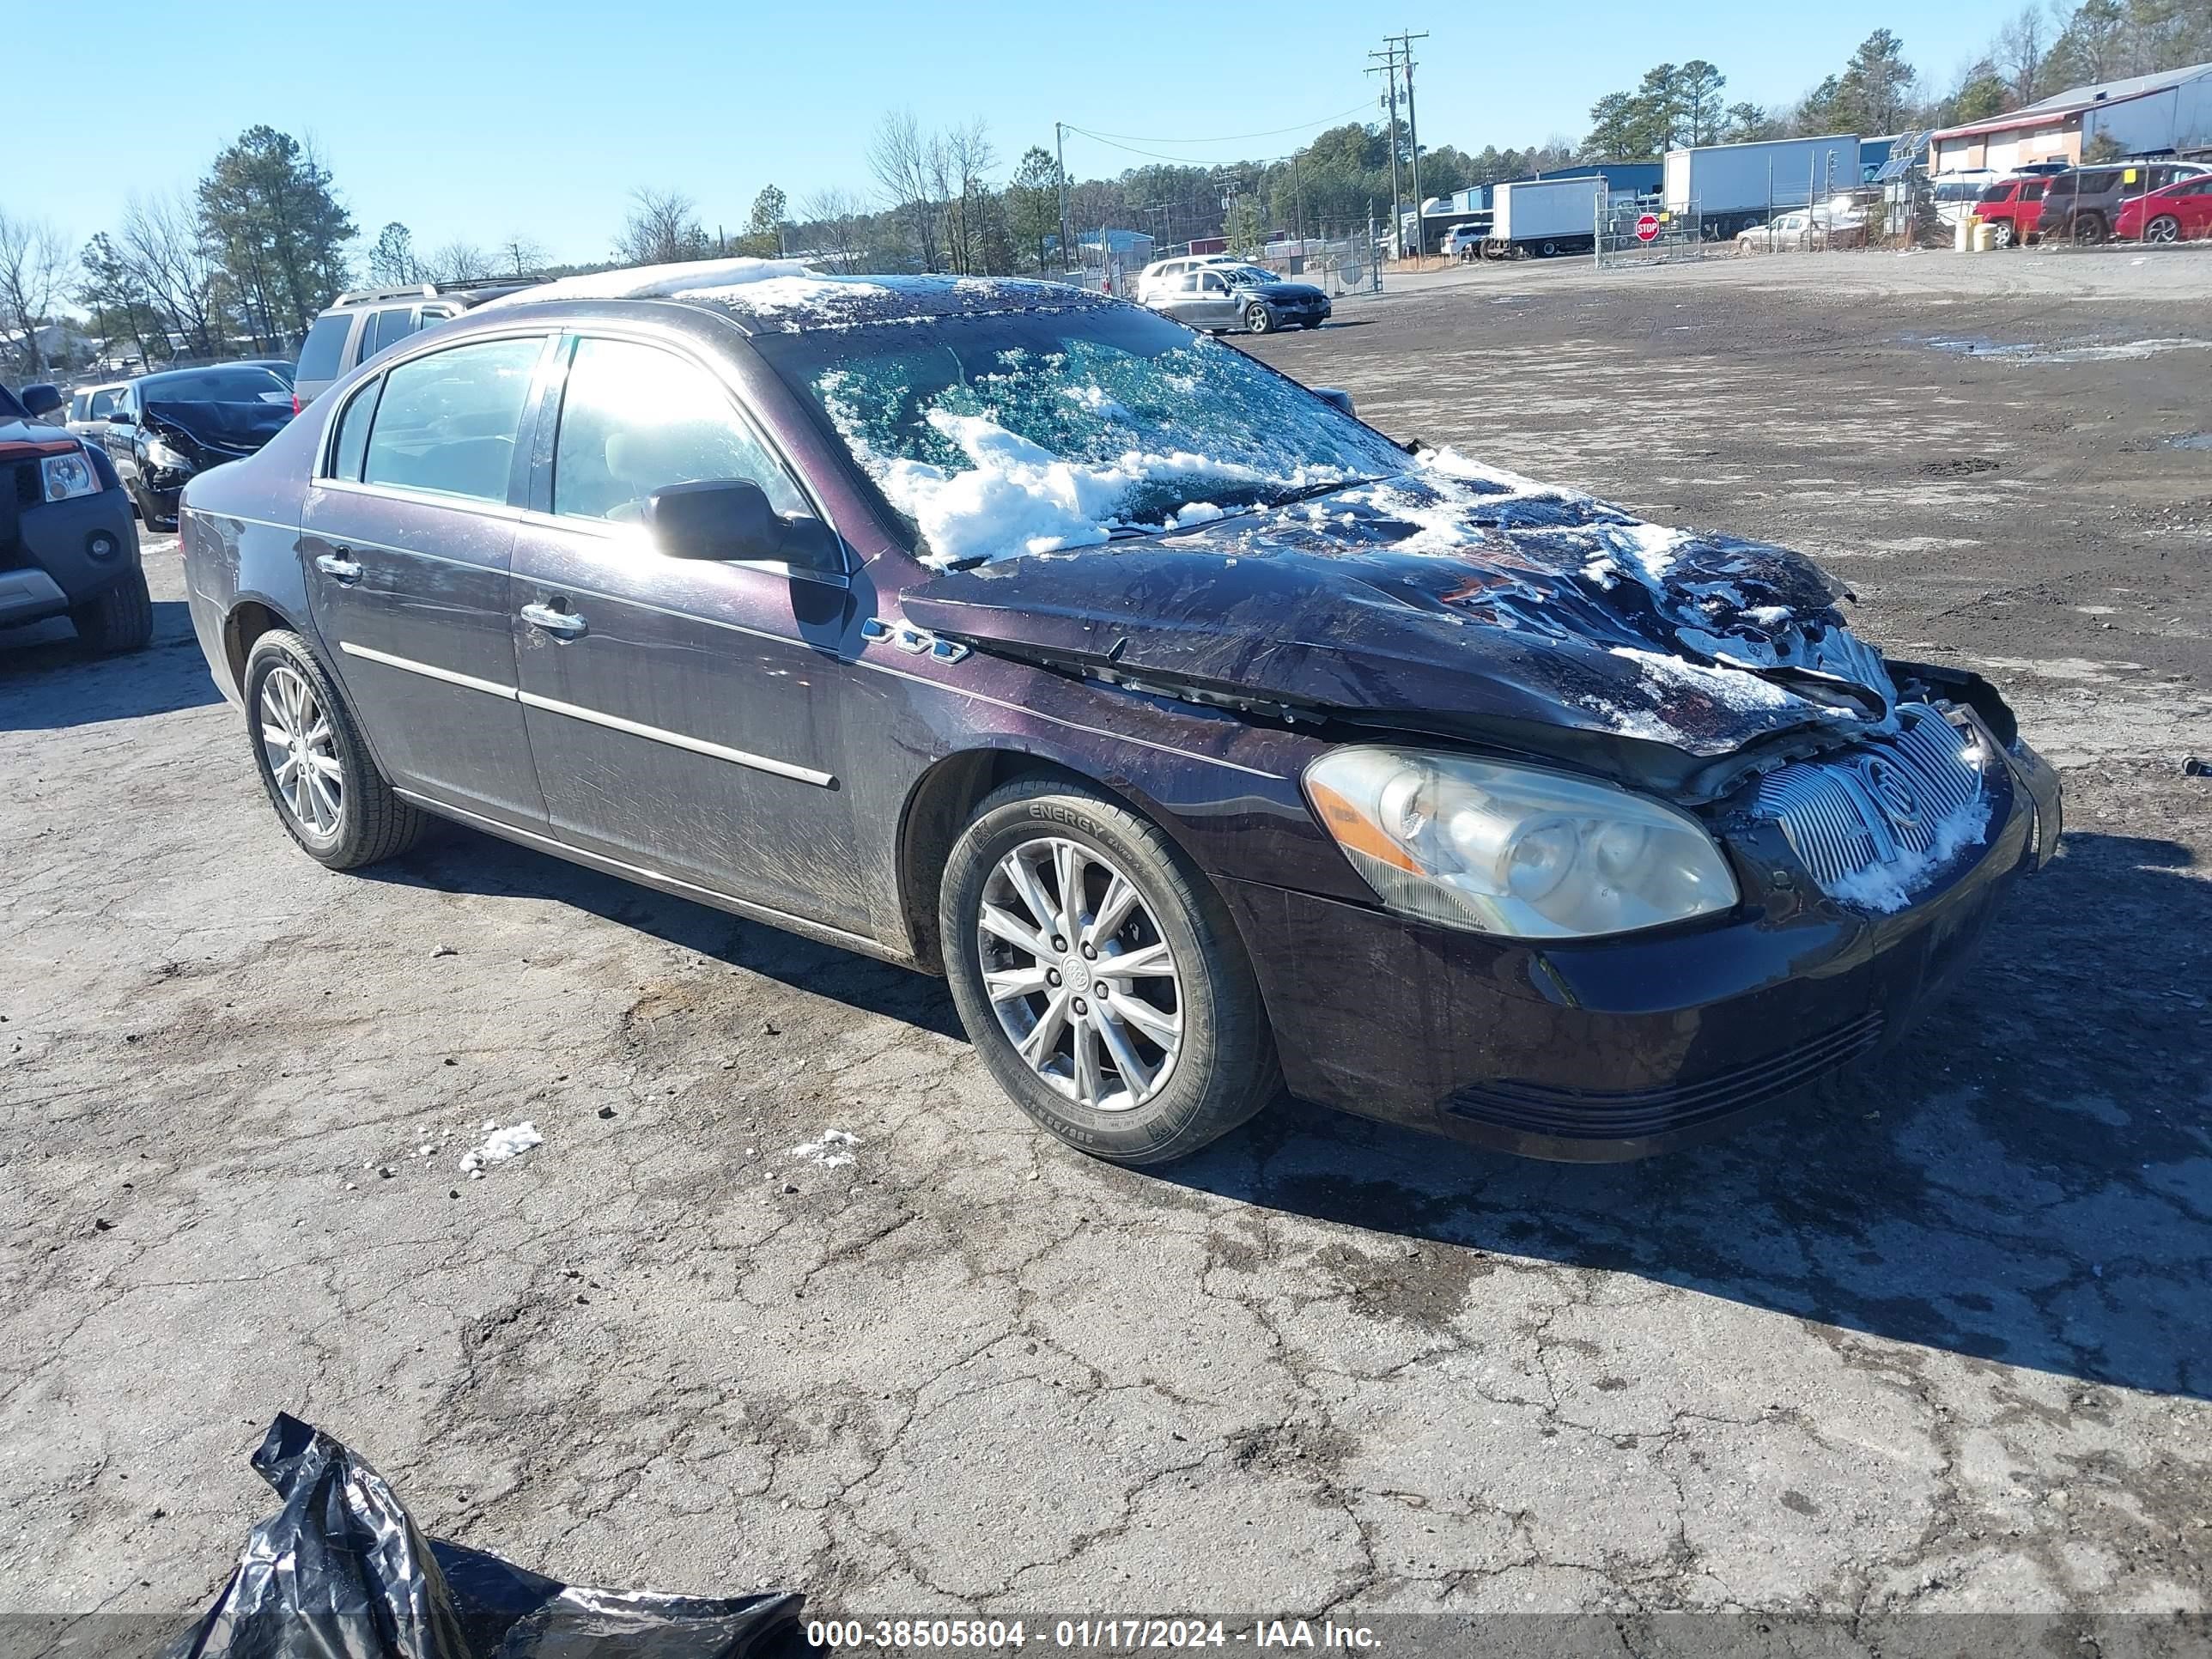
121, 619
1138, 1069
2164, 228
331, 798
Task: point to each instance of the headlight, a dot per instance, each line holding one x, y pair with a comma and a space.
1511, 850
67, 475
161, 455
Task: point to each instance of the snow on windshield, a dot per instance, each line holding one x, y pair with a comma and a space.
1006, 435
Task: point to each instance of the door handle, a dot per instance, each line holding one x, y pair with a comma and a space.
561, 624
337, 566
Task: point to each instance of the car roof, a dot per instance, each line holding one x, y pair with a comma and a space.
784, 296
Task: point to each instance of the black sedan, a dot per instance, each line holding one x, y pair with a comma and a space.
1251, 297
1209, 742
165, 429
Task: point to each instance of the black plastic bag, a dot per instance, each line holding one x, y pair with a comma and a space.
340, 1572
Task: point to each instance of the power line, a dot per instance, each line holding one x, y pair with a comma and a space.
1232, 138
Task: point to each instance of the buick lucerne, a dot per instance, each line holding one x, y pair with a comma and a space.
1208, 741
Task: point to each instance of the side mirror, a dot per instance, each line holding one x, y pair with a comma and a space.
731, 519
123, 417
1334, 396
41, 399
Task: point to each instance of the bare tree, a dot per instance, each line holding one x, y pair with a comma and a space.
834, 216
2019, 53
174, 261
961, 162
905, 169
33, 263
457, 262
663, 229
519, 255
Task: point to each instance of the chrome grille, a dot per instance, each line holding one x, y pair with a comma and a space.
1845, 814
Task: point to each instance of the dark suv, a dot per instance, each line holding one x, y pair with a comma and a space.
2080, 206
363, 322
67, 545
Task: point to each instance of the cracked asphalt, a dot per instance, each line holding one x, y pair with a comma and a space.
1936, 1340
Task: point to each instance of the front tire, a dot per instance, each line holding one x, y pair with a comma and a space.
1259, 319
1053, 884
121, 619
2000, 233
313, 764
2089, 230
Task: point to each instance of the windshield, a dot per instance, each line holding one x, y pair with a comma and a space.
1016, 432
10, 410
1248, 274
239, 382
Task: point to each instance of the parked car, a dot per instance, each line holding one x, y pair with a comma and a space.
282, 368
166, 427
67, 544
2011, 208
360, 323
1251, 297
2180, 212
1463, 242
1162, 275
1805, 228
2080, 206
90, 407
1206, 740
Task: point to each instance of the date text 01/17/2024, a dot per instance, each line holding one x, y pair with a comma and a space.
1111, 1635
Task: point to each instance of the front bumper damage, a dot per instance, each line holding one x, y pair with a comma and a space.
1608, 1049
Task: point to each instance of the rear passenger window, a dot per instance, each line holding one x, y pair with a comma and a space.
353, 433
448, 422
2032, 190
636, 419
391, 327
325, 342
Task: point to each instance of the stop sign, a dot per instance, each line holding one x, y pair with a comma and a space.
1647, 228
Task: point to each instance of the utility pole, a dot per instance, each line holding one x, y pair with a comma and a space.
1388, 70
1412, 132
1059, 148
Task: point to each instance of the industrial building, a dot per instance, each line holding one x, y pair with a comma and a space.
2143, 115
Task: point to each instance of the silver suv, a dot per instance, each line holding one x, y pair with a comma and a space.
363, 322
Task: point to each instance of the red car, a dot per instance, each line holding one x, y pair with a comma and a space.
2013, 205
2182, 212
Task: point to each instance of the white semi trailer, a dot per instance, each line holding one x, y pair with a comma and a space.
1735, 185
1539, 217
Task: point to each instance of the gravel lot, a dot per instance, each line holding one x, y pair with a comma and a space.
1937, 1341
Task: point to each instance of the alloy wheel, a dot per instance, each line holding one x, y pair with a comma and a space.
301, 750
2003, 234
1083, 981
2164, 228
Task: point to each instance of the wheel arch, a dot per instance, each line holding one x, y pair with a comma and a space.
943, 801
246, 620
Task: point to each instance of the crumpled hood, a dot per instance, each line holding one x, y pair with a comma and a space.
1283, 293
237, 429
1452, 598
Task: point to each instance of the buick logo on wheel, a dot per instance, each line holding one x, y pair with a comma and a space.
1888, 785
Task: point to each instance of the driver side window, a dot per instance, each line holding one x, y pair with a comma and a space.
1212, 281
636, 419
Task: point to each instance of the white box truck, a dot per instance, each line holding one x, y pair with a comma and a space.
1733, 186
1540, 217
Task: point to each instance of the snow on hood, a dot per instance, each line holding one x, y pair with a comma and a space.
1452, 590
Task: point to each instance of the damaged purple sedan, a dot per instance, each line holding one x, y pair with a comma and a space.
1208, 741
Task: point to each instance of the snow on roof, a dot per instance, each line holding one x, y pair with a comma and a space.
2060, 104
658, 281
788, 294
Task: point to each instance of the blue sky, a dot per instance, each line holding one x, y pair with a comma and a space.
468, 121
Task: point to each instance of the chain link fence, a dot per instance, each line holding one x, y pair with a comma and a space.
1639, 231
